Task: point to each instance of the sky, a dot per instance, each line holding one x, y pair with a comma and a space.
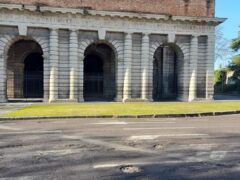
229, 9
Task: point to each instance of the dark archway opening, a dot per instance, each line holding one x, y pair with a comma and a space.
99, 73
25, 71
93, 78
33, 76
165, 74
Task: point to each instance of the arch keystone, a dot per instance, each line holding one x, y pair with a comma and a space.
22, 29
171, 38
102, 34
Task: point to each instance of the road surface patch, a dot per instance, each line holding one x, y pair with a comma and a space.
152, 137
167, 128
110, 123
10, 128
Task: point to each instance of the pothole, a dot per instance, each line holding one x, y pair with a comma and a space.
130, 169
158, 146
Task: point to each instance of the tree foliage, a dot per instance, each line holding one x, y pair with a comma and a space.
219, 76
235, 64
236, 44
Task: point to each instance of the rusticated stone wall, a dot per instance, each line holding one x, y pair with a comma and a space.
204, 8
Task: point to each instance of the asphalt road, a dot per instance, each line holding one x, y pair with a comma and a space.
95, 149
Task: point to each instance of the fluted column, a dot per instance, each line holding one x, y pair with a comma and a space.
54, 58
73, 54
145, 67
127, 66
210, 67
193, 68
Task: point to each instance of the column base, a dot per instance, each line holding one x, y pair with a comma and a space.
118, 99
63, 101
190, 98
137, 100
81, 100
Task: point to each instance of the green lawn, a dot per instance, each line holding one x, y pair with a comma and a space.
93, 109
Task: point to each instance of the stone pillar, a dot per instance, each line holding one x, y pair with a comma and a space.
193, 68
54, 58
81, 78
145, 67
3, 77
73, 54
46, 73
127, 67
18, 80
119, 79
165, 72
210, 67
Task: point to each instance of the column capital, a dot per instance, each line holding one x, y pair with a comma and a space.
146, 33
54, 29
75, 30
128, 34
194, 36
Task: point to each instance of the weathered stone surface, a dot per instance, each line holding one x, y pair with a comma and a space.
172, 7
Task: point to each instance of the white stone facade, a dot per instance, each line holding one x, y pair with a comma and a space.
65, 34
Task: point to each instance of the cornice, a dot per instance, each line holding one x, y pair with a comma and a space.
129, 15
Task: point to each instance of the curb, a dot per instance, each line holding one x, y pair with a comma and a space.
152, 116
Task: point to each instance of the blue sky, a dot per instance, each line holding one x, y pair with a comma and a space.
229, 9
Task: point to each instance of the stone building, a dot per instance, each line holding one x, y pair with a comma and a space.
107, 50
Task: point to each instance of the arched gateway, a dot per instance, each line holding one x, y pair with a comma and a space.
145, 52
167, 66
25, 70
99, 73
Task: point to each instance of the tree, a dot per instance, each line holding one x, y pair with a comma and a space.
235, 64
236, 44
223, 52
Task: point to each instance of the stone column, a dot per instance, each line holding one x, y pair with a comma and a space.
210, 67
46, 74
165, 72
3, 77
193, 68
54, 58
127, 67
18, 80
145, 67
81, 79
73, 54
119, 79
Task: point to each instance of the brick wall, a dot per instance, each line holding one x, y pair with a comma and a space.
173, 7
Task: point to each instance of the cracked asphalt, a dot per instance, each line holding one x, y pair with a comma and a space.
95, 149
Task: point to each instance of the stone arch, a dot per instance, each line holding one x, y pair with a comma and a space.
9, 41
87, 43
168, 89
118, 51
36, 49
178, 47
100, 72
